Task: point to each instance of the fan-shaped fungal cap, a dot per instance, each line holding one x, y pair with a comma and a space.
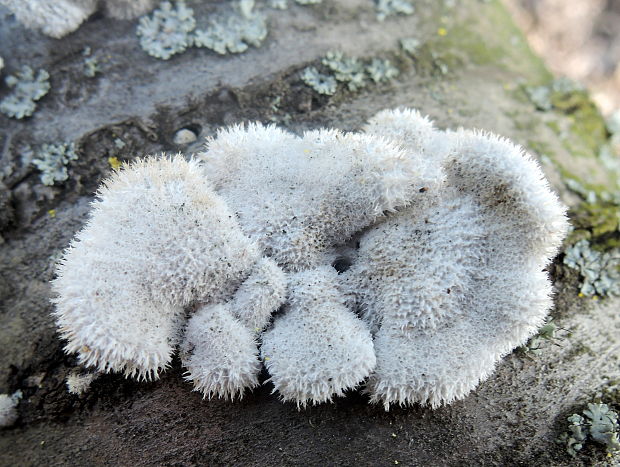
317, 348
260, 295
457, 283
299, 196
158, 238
219, 353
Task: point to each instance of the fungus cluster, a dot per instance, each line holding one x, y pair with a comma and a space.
445, 236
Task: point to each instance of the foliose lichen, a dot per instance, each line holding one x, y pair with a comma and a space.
52, 160
600, 271
323, 84
350, 71
599, 423
381, 70
90, 64
167, 31
27, 88
410, 45
234, 32
385, 8
347, 70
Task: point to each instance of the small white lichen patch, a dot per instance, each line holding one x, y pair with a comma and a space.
90, 64
387, 8
167, 31
540, 96
52, 160
57, 18
79, 383
381, 71
8, 409
26, 90
410, 45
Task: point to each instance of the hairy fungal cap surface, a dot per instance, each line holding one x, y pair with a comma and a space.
453, 231
125, 279
219, 353
57, 18
317, 349
298, 196
472, 287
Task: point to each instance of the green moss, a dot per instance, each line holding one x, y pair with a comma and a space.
467, 40
578, 349
436, 61
587, 125
541, 148
601, 218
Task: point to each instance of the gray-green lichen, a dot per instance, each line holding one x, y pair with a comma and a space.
410, 45
234, 32
27, 88
350, 71
323, 84
167, 31
599, 423
381, 70
172, 29
90, 64
52, 160
600, 271
347, 70
387, 8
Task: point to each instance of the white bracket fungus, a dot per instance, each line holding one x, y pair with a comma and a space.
57, 18
454, 231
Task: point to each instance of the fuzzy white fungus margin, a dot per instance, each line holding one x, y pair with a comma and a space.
452, 286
